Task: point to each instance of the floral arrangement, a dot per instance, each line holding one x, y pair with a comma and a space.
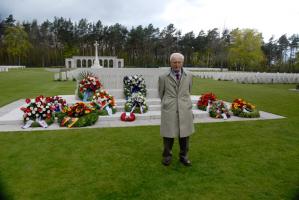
104, 102
205, 100
88, 87
78, 115
136, 103
58, 102
133, 84
242, 108
218, 109
38, 112
127, 117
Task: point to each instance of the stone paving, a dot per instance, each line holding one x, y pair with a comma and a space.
11, 116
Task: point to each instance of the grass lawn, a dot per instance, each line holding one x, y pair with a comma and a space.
231, 160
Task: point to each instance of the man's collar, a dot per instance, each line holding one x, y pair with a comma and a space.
181, 72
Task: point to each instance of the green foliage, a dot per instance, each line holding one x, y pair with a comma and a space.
245, 50
136, 110
48, 121
70, 51
238, 112
104, 112
202, 107
16, 41
86, 120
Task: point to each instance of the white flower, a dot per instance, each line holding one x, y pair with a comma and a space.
31, 108
27, 118
33, 112
29, 114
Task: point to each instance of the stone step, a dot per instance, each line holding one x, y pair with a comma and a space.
149, 102
150, 108
119, 93
121, 101
150, 115
11, 114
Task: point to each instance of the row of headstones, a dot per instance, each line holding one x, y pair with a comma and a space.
64, 76
250, 77
3, 69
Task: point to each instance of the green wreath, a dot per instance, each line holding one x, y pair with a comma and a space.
49, 121
136, 101
240, 113
134, 84
241, 108
85, 120
105, 112
128, 108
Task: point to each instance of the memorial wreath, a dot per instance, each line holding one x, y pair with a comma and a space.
78, 115
218, 109
104, 102
136, 103
38, 112
134, 84
244, 109
205, 100
88, 87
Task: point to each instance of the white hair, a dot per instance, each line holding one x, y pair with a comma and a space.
176, 55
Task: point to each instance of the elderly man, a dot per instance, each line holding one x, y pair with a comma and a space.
176, 109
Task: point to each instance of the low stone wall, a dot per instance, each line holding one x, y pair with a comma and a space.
4, 68
112, 79
250, 77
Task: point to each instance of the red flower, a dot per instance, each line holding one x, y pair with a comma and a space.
28, 101
126, 118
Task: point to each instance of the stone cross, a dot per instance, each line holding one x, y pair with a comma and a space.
96, 63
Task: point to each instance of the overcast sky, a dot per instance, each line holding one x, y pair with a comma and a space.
270, 17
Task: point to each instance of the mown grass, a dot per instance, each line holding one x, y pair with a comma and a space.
231, 160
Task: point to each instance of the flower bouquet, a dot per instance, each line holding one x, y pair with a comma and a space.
218, 109
136, 103
242, 108
38, 112
205, 100
104, 102
58, 102
88, 87
78, 115
134, 84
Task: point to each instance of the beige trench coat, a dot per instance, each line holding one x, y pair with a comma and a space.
176, 105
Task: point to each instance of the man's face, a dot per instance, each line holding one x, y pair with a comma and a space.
176, 64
